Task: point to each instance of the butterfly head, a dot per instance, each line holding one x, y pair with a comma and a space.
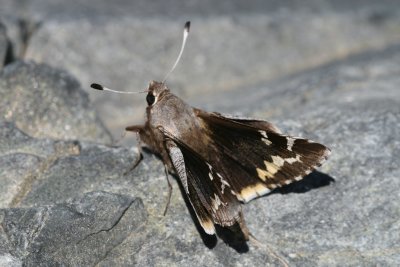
156, 91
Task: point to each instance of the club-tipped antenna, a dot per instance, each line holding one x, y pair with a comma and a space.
186, 30
102, 88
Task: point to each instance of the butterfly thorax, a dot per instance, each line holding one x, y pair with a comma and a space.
171, 114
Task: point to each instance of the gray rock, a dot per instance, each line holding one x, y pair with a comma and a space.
61, 234
15, 169
354, 107
3, 45
342, 224
96, 167
19, 30
125, 46
350, 222
46, 102
367, 76
86, 168
23, 159
351, 104
58, 9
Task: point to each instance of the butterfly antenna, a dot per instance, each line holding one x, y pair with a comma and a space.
185, 35
102, 88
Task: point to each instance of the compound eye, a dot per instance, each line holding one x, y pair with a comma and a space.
150, 98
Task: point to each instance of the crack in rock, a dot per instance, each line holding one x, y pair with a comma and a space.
109, 228
61, 149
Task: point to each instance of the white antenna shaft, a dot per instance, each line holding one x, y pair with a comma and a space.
185, 35
102, 88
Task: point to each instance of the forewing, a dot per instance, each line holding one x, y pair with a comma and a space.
259, 124
257, 158
208, 191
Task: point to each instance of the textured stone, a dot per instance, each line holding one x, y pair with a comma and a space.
125, 46
14, 170
368, 76
23, 159
353, 106
19, 29
3, 45
316, 222
78, 232
346, 214
46, 102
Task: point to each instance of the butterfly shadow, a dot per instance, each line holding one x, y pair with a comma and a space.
232, 236
312, 181
209, 240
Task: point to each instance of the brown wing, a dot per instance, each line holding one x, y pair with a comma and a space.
255, 158
210, 197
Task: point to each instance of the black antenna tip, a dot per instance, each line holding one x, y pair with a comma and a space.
187, 26
96, 86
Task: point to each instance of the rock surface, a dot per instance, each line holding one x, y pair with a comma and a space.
47, 102
326, 70
126, 45
3, 46
60, 233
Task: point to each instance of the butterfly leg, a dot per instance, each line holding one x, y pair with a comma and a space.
154, 140
137, 129
134, 165
134, 128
